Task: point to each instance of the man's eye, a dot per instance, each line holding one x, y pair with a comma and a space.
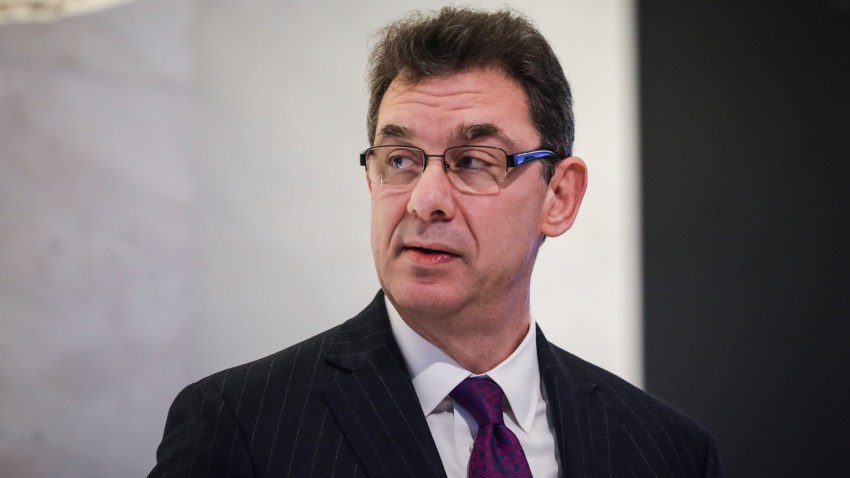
401, 161
472, 162
475, 160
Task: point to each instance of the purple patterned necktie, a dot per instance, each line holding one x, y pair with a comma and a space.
496, 452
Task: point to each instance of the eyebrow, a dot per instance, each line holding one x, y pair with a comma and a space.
466, 133
394, 131
474, 132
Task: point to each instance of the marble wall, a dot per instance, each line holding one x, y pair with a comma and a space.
97, 192
160, 218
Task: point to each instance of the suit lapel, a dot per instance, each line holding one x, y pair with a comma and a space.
578, 415
375, 402
378, 411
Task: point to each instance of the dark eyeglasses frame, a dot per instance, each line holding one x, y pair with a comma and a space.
513, 160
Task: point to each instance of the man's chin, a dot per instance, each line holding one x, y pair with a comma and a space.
430, 300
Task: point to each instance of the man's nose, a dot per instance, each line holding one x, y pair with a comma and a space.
432, 197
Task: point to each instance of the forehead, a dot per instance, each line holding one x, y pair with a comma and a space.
447, 108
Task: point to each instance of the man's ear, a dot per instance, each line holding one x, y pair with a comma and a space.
368, 183
563, 196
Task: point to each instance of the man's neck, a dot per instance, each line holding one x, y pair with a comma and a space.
477, 340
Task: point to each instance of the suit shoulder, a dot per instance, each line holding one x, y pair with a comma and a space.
628, 399
301, 357
658, 435
257, 374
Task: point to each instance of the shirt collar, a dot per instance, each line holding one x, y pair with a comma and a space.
435, 374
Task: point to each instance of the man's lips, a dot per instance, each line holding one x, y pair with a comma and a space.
432, 254
430, 249
426, 251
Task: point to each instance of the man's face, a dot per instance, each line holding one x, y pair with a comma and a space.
438, 250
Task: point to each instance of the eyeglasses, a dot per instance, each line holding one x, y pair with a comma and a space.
472, 169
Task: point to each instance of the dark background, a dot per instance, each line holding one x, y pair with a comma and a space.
745, 113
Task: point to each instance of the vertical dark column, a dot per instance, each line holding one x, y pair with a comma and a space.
745, 110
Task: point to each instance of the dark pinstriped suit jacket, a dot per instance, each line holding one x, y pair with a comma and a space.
342, 404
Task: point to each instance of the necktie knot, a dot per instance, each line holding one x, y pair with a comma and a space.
496, 452
482, 398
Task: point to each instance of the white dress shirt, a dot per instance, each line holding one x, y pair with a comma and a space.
435, 375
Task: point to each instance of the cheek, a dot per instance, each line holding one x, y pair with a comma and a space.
387, 212
509, 230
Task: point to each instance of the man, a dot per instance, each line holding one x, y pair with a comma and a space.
445, 373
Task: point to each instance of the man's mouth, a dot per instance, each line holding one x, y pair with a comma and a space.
431, 249
426, 250
429, 255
